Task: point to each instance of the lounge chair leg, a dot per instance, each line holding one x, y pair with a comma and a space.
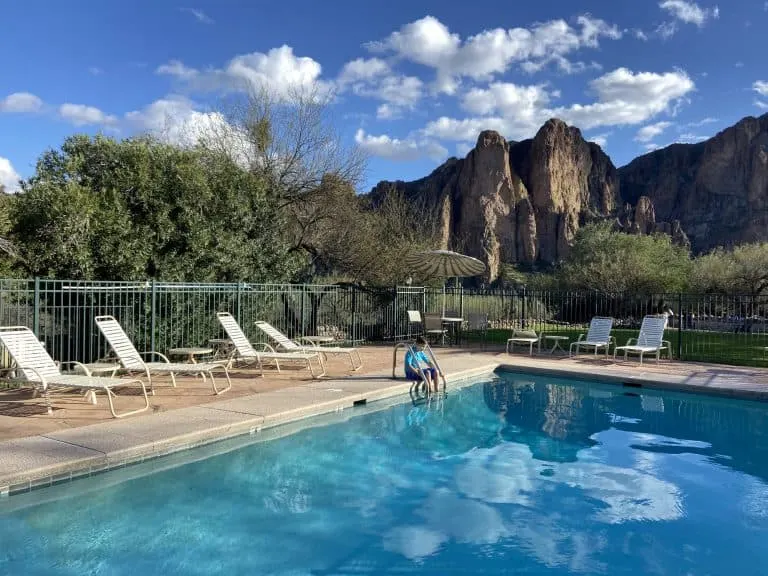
213, 382
111, 394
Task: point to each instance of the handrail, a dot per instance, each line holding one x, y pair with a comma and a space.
410, 346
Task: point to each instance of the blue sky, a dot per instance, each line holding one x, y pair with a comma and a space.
414, 82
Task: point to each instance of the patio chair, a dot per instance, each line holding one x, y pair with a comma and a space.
523, 338
649, 341
434, 328
598, 336
33, 364
416, 322
132, 361
478, 322
245, 352
288, 345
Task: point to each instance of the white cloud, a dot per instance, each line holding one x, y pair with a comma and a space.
398, 91
8, 176
95, 71
199, 15
739, 65
666, 30
625, 97
361, 70
462, 149
403, 150
702, 122
429, 42
387, 112
600, 139
649, 132
689, 12
21, 102
82, 115
639, 34
279, 71
177, 69
690, 138
761, 87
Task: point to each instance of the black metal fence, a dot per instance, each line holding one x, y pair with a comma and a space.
159, 316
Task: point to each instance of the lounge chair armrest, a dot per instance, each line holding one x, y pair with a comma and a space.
151, 353
630, 341
265, 347
667, 343
581, 337
76, 363
43, 381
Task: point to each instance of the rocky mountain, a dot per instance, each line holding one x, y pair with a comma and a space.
521, 202
717, 189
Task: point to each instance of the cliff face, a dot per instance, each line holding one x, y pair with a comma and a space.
519, 201
717, 189
523, 202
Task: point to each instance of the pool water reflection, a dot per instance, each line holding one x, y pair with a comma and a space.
515, 475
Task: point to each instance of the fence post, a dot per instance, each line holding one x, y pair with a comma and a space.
238, 304
36, 309
354, 313
461, 301
152, 315
303, 309
680, 326
523, 323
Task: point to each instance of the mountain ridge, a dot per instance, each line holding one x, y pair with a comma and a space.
523, 201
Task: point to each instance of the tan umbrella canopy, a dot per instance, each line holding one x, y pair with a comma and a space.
444, 264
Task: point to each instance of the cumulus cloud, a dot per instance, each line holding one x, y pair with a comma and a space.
402, 150
361, 70
177, 69
82, 115
20, 102
689, 12
623, 98
649, 132
600, 139
9, 178
430, 43
761, 87
278, 71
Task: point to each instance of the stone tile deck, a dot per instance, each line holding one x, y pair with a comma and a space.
79, 438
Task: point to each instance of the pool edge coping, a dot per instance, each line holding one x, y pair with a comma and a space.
99, 462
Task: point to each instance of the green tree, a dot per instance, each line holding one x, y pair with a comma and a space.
119, 210
740, 270
608, 261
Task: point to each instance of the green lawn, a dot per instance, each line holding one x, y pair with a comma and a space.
716, 347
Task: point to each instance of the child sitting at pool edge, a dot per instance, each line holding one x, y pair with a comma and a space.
418, 359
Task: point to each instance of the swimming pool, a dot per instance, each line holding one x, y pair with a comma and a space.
518, 474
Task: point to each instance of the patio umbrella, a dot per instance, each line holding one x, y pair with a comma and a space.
444, 264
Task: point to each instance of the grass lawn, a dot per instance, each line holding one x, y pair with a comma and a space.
717, 347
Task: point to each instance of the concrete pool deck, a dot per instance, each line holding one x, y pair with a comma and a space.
36, 455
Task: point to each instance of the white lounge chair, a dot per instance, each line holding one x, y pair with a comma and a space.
35, 365
649, 341
598, 336
132, 361
245, 352
288, 345
523, 338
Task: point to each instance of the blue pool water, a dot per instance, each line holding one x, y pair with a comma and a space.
521, 474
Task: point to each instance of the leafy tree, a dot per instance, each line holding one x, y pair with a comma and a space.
119, 210
608, 261
740, 270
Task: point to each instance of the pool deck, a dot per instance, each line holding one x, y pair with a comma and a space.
39, 449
